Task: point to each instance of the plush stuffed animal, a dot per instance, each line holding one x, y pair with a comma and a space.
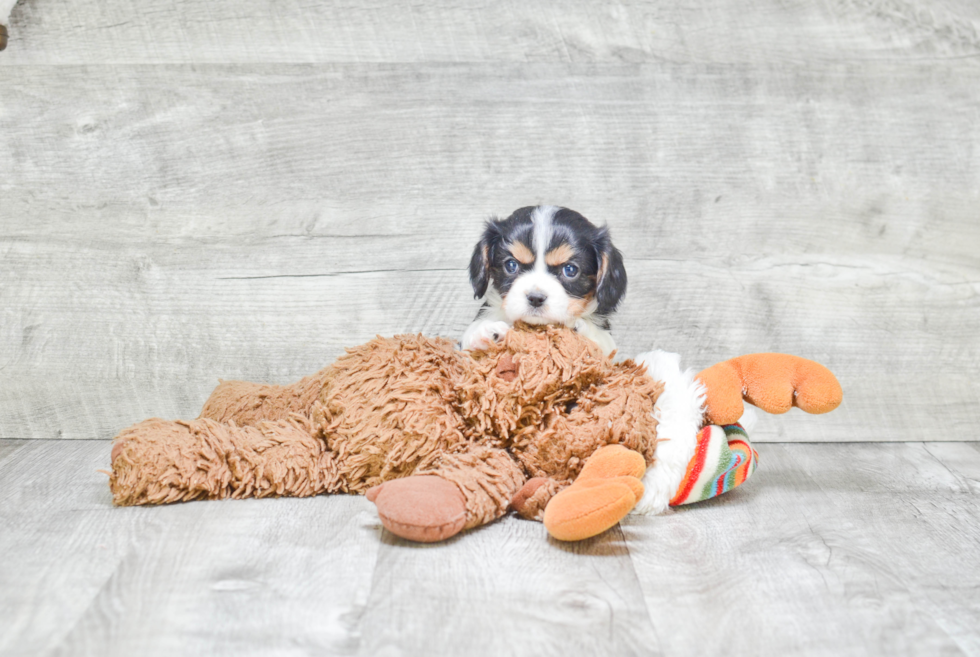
443, 440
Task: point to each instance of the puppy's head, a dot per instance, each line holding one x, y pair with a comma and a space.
548, 265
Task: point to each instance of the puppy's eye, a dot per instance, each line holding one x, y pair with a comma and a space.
510, 265
570, 271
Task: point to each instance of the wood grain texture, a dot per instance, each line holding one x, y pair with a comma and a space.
516, 592
860, 549
922, 497
8, 447
169, 31
241, 188
80, 577
94, 358
693, 159
167, 228
844, 549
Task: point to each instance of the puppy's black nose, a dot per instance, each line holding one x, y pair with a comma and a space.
536, 299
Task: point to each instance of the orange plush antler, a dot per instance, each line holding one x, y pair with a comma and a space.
773, 382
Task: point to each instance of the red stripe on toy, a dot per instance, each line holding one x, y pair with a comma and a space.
694, 467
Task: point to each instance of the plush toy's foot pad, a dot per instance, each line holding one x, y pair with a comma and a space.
606, 490
423, 508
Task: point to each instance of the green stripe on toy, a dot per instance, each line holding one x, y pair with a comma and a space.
723, 459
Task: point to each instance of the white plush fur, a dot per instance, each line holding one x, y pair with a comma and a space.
679, 412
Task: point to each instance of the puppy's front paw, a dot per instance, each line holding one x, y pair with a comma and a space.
482, 334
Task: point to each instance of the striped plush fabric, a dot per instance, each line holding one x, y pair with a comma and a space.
723, 459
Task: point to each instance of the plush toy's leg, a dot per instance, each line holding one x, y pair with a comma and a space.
533, 497
773, 382
459, 491
157, 461
604, 492
3, 37
723, 459
247, 404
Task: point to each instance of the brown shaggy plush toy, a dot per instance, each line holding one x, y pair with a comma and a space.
439, 439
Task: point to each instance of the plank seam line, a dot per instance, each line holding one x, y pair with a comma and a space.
340, 273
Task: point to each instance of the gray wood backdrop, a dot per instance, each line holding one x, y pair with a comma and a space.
240, 188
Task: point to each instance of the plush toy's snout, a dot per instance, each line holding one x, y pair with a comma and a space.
507, 367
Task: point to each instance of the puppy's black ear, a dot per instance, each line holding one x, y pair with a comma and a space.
611, 277
482, 256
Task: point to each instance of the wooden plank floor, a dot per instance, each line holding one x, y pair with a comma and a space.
847, 549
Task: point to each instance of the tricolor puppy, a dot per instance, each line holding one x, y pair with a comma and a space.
545, 265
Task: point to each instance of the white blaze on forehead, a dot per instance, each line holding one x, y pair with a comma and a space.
541, 218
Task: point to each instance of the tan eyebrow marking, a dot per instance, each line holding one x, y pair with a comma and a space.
521, 253
559, 255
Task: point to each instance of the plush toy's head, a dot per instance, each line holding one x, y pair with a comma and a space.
551, 397
542, 360
535, 371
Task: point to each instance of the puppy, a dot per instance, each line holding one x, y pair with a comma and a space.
545, 265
